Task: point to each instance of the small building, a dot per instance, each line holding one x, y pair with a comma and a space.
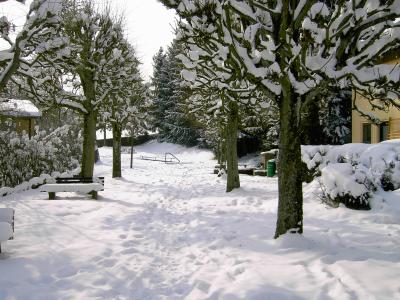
363, 130
22, 113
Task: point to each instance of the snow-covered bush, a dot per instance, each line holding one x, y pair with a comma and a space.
390, 178
22, 158
313, 157
342, 183
351, 173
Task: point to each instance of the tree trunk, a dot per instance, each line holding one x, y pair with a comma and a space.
89, 141
290, 207
105, 136
116, 170
132, 149
222, 148
231, 147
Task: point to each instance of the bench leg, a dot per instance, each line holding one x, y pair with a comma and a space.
52, 195
94, 194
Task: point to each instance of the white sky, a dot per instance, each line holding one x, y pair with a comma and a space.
149, 25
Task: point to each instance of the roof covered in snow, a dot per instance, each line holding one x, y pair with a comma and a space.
18, 108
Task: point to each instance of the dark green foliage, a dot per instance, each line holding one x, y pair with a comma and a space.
388, 181
335, 116
159, 83
171, 115
359, 203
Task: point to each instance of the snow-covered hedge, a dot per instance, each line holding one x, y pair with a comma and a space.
23, 160
352, 173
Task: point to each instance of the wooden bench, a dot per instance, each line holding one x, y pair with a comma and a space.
6, 225
86, 185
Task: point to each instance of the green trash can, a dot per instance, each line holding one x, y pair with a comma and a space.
271, 167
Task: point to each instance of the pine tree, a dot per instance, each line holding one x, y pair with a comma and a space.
159, 86
335, 116
172, 118
179, 125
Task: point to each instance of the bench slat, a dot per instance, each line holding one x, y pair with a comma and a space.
68, 187
80, 180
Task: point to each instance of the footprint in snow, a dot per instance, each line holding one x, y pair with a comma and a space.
137, 228
229, 238
108, 263
100, 282
129, 251
66, 272
239, 271
128, 244
107, 253
203, 286
191, 256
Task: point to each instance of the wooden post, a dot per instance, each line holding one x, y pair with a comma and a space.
132, 149
30, 128
105, 136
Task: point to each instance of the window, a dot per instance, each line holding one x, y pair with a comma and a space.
366, 131
383, 131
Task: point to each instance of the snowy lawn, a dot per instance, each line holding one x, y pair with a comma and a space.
167, 231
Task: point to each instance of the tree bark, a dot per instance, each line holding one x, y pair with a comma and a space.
231, 147
132, 139
105, 136
116, 170
290, 207
222, 148
89, 141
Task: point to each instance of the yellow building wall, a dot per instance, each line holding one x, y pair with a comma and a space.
22, 124
26, 125
357, 120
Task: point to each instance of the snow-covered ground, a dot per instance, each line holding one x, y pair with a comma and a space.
169, 231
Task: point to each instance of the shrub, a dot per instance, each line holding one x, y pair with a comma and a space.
344, 183
22, 158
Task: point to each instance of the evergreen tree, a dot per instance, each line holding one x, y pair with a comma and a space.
179, 125
159, 86
171, 116
335, 116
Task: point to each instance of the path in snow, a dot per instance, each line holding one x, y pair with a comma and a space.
171, 232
